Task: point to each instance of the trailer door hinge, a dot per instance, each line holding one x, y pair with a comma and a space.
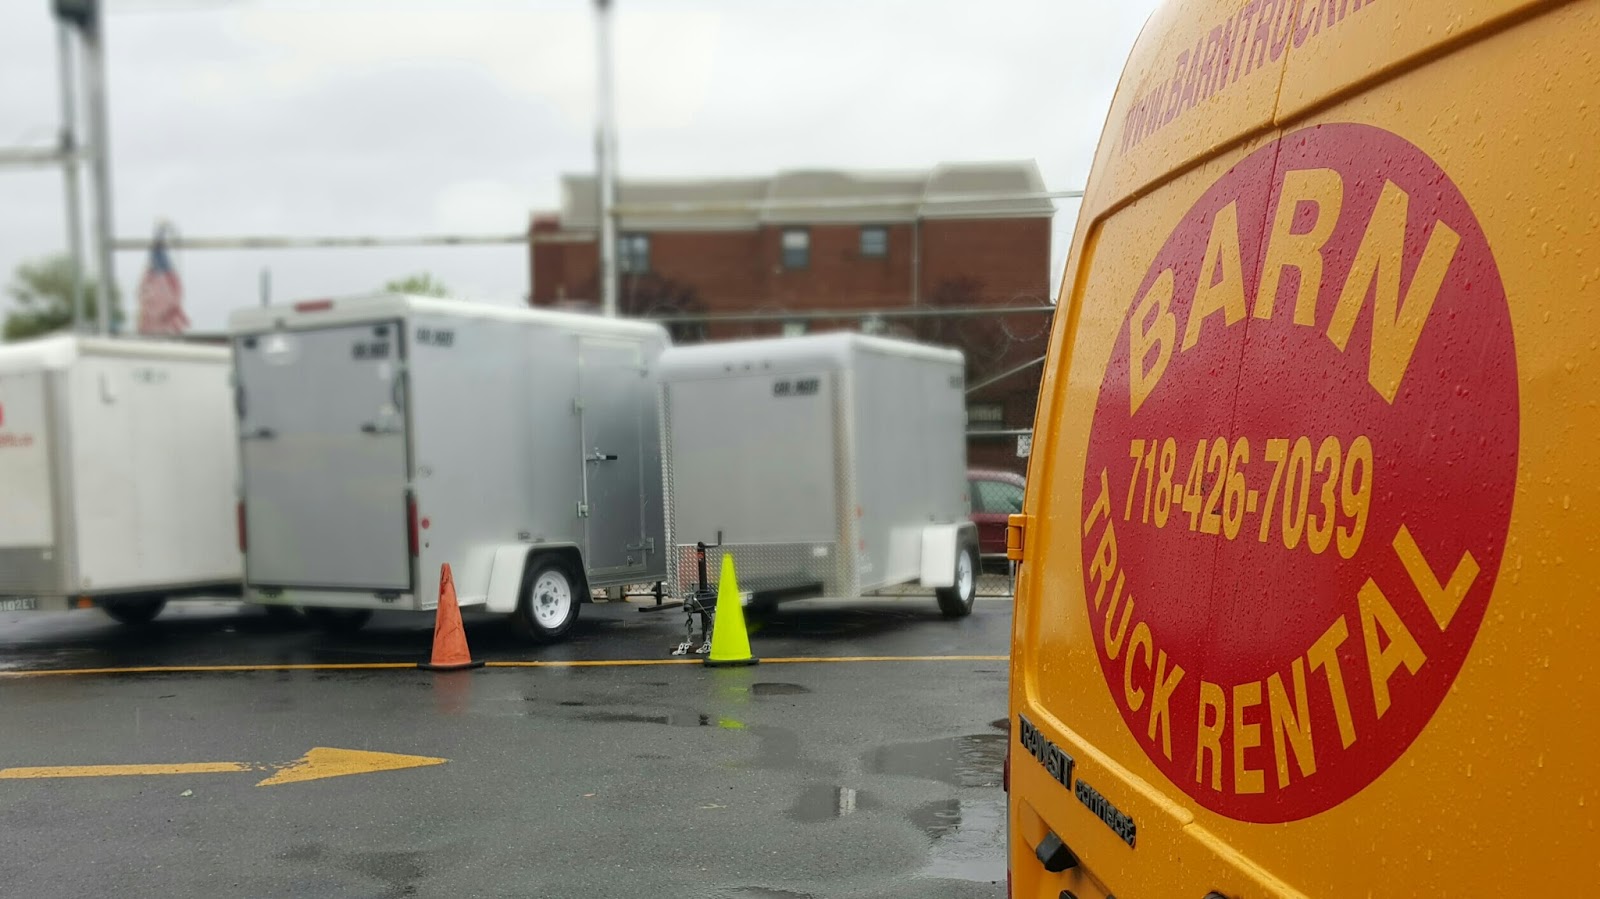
577, 406
1017, 536
583, 510
647, 545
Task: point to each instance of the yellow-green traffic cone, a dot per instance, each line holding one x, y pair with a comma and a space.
730, 642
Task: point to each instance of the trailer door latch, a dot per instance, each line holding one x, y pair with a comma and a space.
583, 510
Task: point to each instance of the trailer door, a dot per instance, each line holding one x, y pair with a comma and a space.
613, 401
323, 429
28, 558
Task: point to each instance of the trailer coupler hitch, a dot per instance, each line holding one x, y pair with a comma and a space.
702, 602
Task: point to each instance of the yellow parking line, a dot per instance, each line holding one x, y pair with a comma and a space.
591, 663
211, 669
395, 666
122, 770
798, 660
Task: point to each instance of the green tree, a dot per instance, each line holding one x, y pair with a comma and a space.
41, 299
420, 284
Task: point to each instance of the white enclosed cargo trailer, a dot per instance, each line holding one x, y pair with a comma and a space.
117, 471
826, 465
383, 437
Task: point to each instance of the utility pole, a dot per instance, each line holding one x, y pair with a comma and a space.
605, 152
87, 16
69, 172
94, 78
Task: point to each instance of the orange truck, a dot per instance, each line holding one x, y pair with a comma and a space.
1309, 585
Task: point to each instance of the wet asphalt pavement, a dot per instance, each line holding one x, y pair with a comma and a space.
846, 778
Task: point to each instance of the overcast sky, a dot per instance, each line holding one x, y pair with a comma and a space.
251, 117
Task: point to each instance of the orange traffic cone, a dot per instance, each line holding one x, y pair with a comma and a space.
449, 639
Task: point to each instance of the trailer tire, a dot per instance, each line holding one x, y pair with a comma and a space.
548, 603
338, 622
956, 601
135, 611
283, 614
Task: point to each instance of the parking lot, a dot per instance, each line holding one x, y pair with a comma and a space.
862, 757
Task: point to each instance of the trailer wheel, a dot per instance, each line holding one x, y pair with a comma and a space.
339, 622
549, 603
956, 601
283, 614
135, 611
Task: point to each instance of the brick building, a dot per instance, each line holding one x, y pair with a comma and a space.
957, 237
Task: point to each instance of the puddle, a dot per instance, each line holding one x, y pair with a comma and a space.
775, 689
671, 719
1001, 724
937, 819
567, 702
764, 893
973, 760
822, 802
968, 839
397, 870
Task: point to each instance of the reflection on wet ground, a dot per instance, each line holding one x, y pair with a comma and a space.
968, 837
966, 833
821, 802
972, 760
771, 689
671, 719
780, 782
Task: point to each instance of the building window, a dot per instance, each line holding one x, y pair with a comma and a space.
986, 414
796, 248
794, 329
874, 242
633, 254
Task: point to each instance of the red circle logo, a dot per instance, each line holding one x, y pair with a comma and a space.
1300, 473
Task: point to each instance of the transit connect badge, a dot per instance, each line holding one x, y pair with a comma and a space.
1300, 473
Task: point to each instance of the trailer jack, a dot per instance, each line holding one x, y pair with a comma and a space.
703, 602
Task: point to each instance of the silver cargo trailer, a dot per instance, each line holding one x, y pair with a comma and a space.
117, 470
832, 465
382, 437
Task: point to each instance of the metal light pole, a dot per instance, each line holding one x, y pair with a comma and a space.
99, 133
69, 172
605, 152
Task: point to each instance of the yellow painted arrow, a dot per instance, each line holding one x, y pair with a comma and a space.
320, 763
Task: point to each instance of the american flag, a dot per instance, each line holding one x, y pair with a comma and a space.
161, 293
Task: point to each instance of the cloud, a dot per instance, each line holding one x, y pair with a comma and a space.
409, 116
544, 54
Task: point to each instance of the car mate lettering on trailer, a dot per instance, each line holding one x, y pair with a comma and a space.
1372, 306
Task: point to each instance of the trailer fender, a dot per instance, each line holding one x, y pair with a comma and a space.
939, 545
505, 577
505, 572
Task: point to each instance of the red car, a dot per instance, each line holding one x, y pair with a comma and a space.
995, 495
